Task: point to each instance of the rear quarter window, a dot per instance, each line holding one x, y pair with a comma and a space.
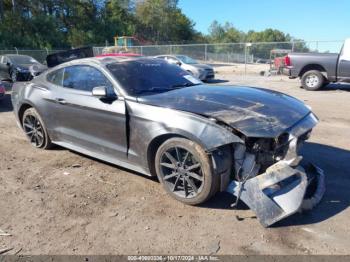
56, 77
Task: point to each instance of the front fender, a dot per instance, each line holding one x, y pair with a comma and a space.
147, 123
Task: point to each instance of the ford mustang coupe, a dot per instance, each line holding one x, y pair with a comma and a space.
152, 117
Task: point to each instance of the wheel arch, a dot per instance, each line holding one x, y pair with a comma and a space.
221, 158
24, 106
153, 148
310, 67
158, 140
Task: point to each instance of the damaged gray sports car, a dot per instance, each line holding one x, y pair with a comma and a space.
152, 117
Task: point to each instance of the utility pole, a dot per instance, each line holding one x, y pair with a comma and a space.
246, 50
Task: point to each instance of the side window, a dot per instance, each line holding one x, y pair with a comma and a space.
84, 78
56, 77
1, 58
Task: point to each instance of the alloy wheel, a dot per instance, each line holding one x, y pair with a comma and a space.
181, 172
34, 130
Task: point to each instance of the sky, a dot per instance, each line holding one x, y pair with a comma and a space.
322, 20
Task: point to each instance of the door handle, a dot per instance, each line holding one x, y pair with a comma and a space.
61, 101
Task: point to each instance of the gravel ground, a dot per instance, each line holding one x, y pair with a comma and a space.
61, 202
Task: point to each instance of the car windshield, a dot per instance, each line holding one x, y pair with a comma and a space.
186, 59
150, 76
22, 59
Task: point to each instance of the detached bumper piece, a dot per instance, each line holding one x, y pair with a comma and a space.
281, 191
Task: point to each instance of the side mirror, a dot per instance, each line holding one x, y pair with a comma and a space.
99, 91
8, 64
174, 62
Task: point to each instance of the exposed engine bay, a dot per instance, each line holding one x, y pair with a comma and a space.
268, 176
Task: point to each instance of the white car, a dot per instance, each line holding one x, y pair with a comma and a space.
201, 71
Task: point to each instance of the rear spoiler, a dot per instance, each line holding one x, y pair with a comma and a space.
66, 56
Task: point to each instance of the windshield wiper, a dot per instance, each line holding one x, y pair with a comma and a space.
164, 89
184, 85
154, 90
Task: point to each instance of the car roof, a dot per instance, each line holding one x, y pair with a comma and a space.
166, 55
16, 55
119, 55
103, 61
173, 55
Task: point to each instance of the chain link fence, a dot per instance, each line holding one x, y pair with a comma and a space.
246, 57
39, 55
231, 52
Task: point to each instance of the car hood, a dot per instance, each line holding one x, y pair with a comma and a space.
201, 66
255, 112
37, 66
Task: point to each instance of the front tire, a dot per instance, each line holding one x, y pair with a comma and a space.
184, 169
14, 76
35, 129
313, 80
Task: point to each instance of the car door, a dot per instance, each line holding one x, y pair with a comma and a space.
343, 72
88, 122
344, 64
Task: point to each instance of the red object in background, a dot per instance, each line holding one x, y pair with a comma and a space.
287, 61
2, 88
119, 55
281, 62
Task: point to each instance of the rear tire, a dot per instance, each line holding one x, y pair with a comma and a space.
313, 80
185, 171
35, 129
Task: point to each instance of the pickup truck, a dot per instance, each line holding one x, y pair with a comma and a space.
318, 69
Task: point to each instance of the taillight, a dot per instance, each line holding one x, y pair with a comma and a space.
287, 61
2, 89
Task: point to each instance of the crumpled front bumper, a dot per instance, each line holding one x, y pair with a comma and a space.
281, 191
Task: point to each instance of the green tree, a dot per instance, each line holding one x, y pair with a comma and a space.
162, 21
226, 33
117, 20
73, 23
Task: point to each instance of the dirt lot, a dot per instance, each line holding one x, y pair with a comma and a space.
60, 202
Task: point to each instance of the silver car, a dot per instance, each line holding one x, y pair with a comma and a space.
201, 71
154, 118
